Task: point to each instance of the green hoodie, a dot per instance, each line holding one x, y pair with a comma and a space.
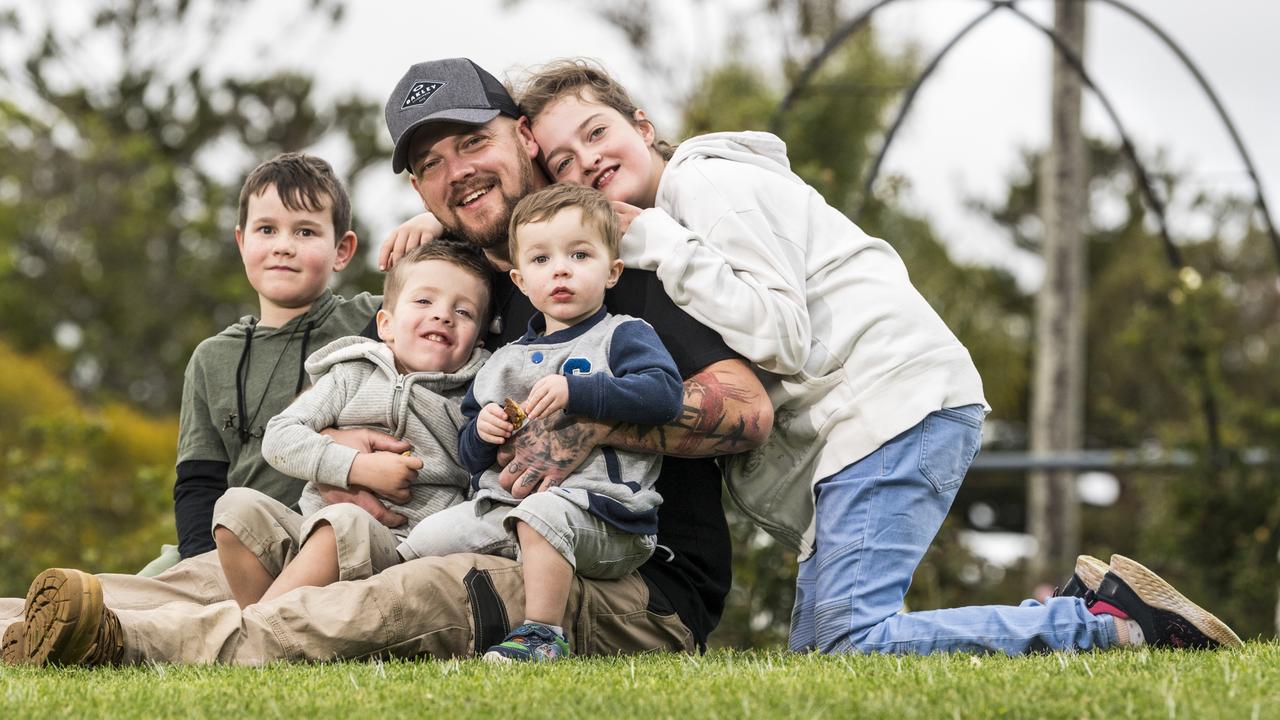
235, 382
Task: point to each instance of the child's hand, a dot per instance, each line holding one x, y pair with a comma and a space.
626, 214
548, 395
492, 425
418, 230
385, 473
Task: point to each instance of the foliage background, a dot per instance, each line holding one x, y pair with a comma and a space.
115, 260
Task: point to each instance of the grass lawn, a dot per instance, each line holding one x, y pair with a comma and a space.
722, 684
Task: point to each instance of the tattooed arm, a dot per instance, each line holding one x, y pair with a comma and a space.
725, 411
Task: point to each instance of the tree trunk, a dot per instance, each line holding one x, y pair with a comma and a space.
1057, 400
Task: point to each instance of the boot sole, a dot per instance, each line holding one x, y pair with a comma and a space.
64, 610
13, 649
1155, 592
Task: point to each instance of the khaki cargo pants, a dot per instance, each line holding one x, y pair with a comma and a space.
452, 606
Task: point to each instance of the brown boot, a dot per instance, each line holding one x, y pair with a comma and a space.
67, 622
14, 649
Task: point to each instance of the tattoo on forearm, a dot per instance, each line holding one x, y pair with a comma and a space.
714, 420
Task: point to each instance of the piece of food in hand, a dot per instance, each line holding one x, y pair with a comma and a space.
515, 414
407, 453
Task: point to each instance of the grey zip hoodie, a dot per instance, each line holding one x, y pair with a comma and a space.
357, 385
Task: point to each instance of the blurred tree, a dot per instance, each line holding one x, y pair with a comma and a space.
114, 219
79, 485
1211, 531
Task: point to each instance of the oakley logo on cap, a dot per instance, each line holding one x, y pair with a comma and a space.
420, 93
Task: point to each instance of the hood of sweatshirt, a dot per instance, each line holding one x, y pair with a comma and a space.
319, 311
356, 348
764, 150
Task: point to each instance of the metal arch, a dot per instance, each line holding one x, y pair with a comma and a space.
835, 41
856, 23
910, 96
1259, 198
1194, 347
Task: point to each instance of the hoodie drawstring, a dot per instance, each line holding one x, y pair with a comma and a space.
302, 357
244, 422
242, 380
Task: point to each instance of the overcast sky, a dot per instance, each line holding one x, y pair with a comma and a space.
988, 99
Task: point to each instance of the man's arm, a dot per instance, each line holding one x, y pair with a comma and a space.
726, 410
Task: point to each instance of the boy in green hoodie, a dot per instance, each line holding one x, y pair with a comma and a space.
294, 232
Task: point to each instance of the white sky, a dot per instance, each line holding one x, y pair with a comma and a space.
988, 100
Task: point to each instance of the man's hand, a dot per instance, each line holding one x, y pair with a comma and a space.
546, 451
418, 230
368, 501
550, 394
385, 473
492, 424
366, 441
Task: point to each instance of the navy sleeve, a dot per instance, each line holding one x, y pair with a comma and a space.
200, 483
476, 454
645, 387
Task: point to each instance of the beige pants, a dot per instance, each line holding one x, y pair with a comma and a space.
197, 581
275, 533
451, 606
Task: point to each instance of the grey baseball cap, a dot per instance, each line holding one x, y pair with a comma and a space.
452, 90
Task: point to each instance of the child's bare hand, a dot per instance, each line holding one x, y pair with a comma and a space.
385, 473
626, 214
492, 425
418, 230
548, 395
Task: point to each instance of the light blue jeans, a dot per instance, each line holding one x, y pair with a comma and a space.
875, 519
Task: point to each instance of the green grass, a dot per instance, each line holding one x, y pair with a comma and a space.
1141, 683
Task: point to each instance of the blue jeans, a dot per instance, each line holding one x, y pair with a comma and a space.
875, 519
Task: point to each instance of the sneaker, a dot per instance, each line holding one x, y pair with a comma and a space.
67, 623
1131, 591
13, 649
529, 642
1087, 576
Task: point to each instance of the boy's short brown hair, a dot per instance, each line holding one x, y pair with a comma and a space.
545, 203
464, 256
303, 182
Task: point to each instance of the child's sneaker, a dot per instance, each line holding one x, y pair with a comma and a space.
1130, 591
1087, 576
531, 641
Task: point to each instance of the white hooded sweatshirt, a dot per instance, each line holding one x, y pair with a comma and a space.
849, 351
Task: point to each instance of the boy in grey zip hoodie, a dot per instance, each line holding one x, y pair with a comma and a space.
411, 388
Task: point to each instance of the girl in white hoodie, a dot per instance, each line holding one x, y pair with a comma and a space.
878, 407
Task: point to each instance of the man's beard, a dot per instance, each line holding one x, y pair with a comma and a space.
493, 239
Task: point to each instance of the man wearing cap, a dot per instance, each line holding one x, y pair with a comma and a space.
472, 156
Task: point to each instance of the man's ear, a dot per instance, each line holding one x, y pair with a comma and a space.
518, 279
525, 132
615, 272
384, 326
645, 127
240, 239
346, 250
